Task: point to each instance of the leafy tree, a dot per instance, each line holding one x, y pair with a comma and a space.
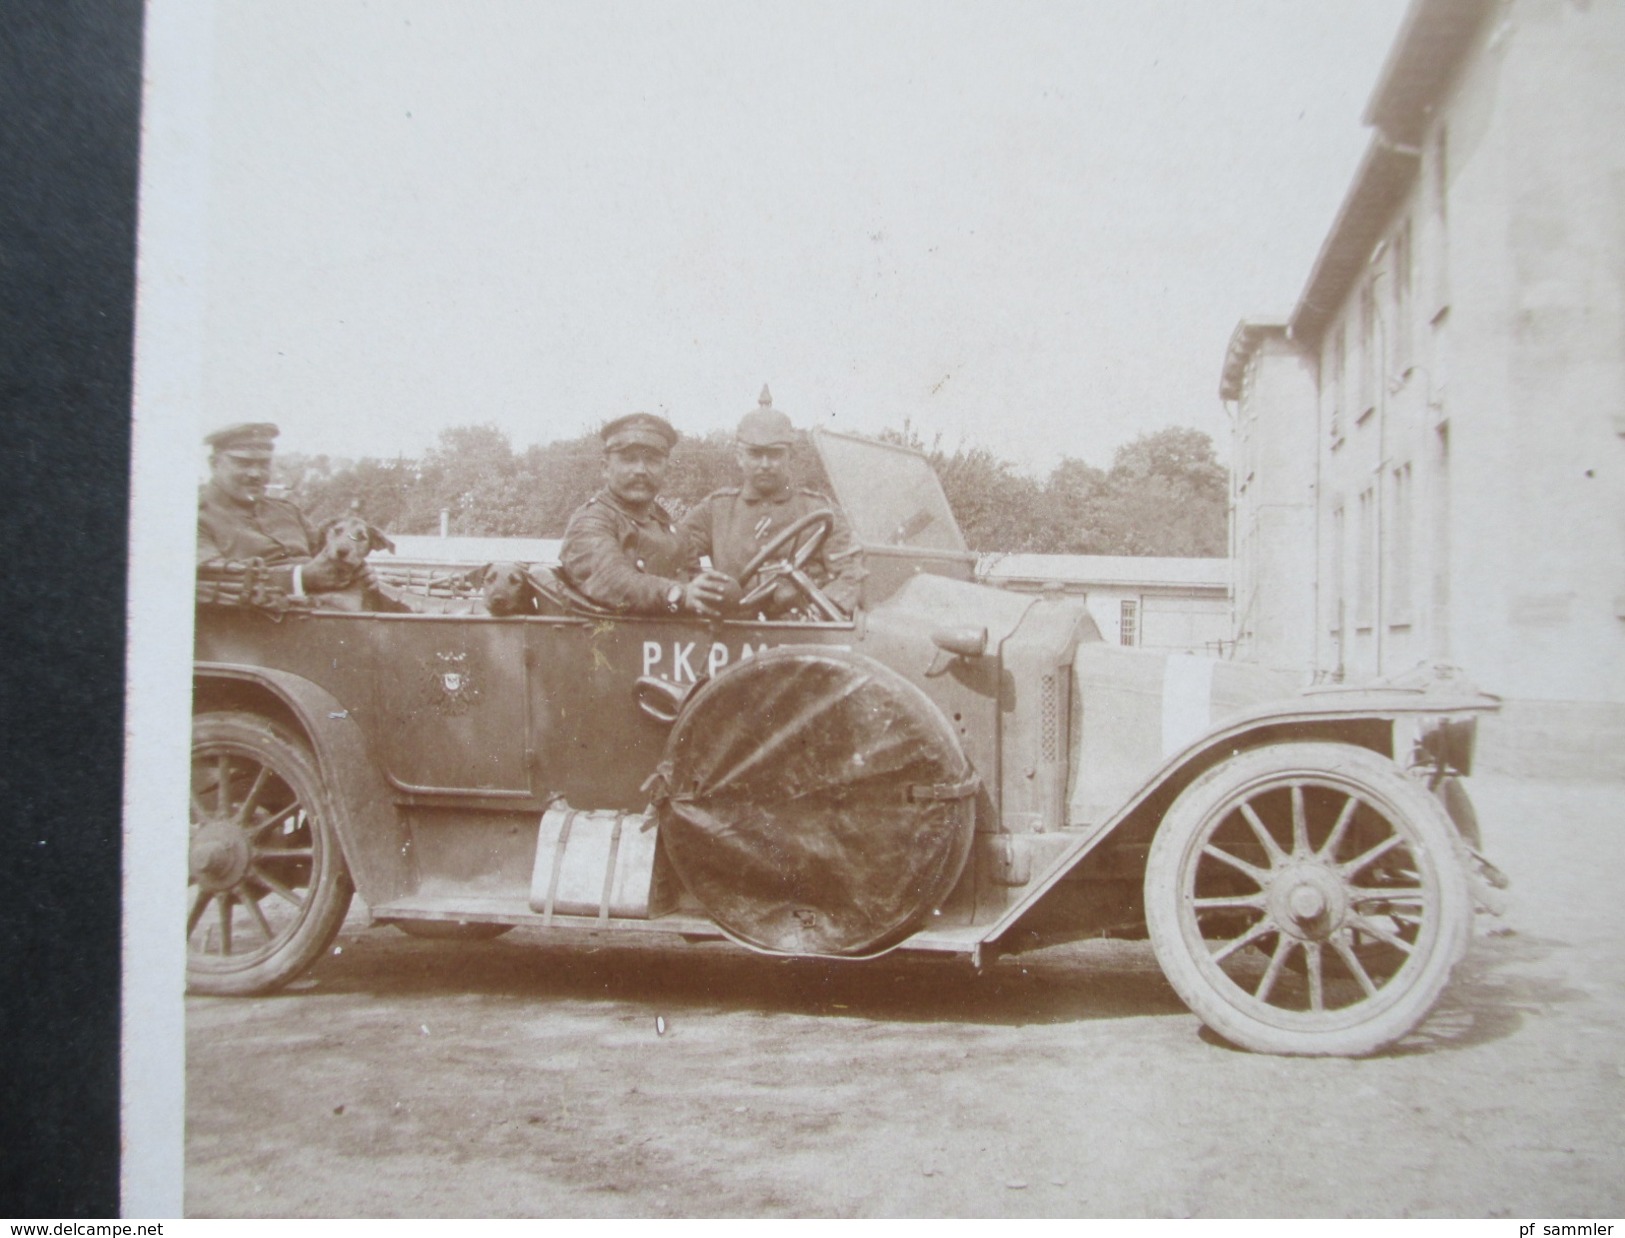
698, 467
1177, 453
997, 508
1165, 493
475, 474
561, 476
1073, 520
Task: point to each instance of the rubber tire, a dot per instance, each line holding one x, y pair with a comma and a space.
1239, 1017
330, 889
451, 930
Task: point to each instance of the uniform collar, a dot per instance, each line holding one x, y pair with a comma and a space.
214, 495
654, 511
752, 499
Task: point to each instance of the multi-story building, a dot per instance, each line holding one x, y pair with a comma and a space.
1430, 449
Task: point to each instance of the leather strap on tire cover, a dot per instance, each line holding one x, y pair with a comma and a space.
815, 802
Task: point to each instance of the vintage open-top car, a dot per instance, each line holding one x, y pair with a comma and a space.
953, 768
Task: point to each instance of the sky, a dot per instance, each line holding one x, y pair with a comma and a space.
1028, 227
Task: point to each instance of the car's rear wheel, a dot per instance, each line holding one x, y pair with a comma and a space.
1307, 898
268, 887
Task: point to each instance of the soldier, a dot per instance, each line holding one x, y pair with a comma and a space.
733, 524
620, 547
237, 522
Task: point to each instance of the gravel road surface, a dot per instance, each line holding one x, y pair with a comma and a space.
529, 1076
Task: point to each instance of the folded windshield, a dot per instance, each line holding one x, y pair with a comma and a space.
890, 494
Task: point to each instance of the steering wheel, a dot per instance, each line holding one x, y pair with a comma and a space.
821, 522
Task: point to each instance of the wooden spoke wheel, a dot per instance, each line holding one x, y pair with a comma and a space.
1307, 898
268, 887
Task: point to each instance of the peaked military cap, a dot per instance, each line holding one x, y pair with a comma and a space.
246, 438
764, 425
639, 428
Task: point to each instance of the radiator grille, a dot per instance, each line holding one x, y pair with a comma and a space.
1049, 719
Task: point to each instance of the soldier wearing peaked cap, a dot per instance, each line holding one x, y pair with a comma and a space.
621, 548
734, 524
237, 521
641, 428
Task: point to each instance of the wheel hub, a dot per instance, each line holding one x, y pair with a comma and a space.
1308, 901
219, 856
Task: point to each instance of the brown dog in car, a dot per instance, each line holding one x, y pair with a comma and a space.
507, 589
342, 559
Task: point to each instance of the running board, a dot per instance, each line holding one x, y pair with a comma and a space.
517, 912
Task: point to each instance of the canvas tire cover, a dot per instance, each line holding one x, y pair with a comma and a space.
815, 802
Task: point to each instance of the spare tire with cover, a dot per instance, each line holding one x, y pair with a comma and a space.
815, 803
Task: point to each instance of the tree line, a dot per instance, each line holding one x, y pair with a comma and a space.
1164, 493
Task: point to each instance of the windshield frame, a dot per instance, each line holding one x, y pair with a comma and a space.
838, 451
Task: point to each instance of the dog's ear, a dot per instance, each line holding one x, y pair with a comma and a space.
326, 528
377, 541
474, 578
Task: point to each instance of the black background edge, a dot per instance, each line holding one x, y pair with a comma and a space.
70, 98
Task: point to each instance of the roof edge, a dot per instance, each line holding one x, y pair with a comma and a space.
1245, 340
1434, 37
1385, 174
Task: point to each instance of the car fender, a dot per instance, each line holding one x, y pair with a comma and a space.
1367, 717
375, 840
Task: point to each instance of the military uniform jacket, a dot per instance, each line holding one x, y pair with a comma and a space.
731, 525
623, 560
270, 529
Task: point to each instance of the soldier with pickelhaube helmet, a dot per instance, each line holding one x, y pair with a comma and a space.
238, 522
735, 524
621, 547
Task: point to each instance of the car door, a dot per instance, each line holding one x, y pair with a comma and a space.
598, 689
450, 705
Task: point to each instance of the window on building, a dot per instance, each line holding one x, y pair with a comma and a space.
1439, 245
1334, 602
1403, 262
1369, 358
1332, 381
1439, 518
1128, 622
1365, 564
1401, 531
1439, 361
1441, 172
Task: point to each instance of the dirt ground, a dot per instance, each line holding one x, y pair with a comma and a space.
529, 1077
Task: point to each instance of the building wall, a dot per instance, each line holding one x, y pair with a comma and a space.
1524, 260
1273, 509
1541, 203
1174, 623
1469, 400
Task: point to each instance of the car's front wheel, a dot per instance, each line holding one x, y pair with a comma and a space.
1307, 898
268, 887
